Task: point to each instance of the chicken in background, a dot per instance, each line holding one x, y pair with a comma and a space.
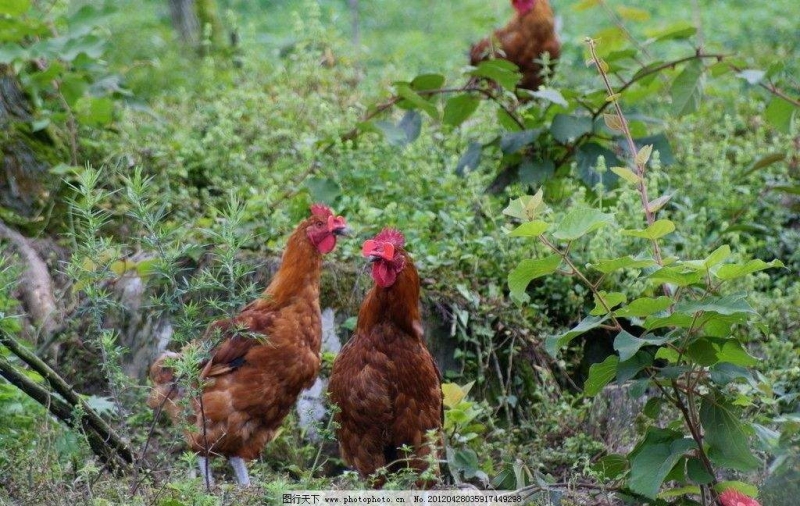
385, 382
267, 354
523, 41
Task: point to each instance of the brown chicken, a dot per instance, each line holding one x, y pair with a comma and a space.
385, 383
523, 41
266, 355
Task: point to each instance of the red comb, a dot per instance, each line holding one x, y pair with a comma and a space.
321, 211
392, 236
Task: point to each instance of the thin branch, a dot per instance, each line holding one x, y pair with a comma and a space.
65, 412
90, 417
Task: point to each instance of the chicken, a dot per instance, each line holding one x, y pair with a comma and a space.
385, 383
523, 41
266, 355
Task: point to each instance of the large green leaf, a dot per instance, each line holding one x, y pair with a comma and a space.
528, 270
733, 271
727, 305
566, 128
654, 458
525, 208
780, 114
415, 100
626, 262
626, 344
600, 375
503, 72
530, 229
687, 89
459, 108
580, 222
554, 343
725, 435
427, 82
644, 306
657, 230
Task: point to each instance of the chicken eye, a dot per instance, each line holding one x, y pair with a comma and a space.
319, 224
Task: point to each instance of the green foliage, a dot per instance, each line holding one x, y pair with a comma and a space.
686, 339
209, 164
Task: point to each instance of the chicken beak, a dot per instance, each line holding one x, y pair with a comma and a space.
343, 231
374, 258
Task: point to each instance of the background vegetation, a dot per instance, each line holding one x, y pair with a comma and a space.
158, 181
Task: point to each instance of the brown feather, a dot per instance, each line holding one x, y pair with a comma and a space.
386, 383
524, 39
268, 354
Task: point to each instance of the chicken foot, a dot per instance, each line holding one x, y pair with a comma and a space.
205, 471
240, 470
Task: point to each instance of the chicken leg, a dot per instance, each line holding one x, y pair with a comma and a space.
205, 471
240, 470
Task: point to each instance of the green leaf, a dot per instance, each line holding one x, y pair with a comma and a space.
530, 229
745, 488
14, 7
643, 155
323, 189
415, 100
644, 306
733, 271
629, 368
525, 208
626, 174
697, 472
554, 343
470, 159
780, 114
459, 108
655, 205
511, 142
626, 344
679, 30
727, 305
655, 231
551, 95
725, 435
528, 270
566, 128
654, 458
676, 275
427, 82
600, 375
503, 72
764, 161
94, 111
611, 466
626, 262
611, 299
733, 352
687, 89
580, 222
535, 172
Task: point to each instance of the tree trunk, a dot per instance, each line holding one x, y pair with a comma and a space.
185, 21
25, 185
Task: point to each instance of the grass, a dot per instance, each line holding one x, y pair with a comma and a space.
205, 129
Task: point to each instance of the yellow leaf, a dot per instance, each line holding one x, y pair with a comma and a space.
586, 5
632, 13
643, 155
453, 394
613, 122
626, 174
